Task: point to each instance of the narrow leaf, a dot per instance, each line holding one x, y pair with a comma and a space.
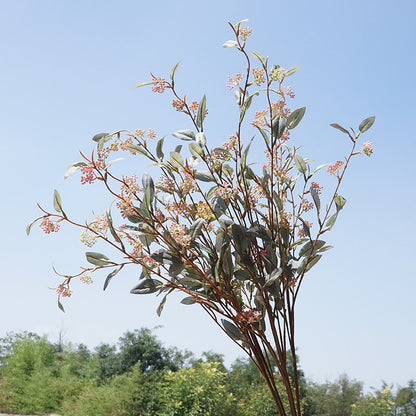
100, 136
176, 160
142, 84
111, 275
258, 56
187, 135
340, 128
172, 73
189, 300
330, 223
146, 286
196, 228
232, 330
230, 44
73, 168
161, 305
291, 71
200, 139
278, 126
316, 199
204, 176
339, 202
97, 259
159, 151
196, 150
60, 306
29, 226
201, 112
366, 124
300, 164
294, 118
57, 202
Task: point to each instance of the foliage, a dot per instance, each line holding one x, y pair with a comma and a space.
379, 404
196, 391
405, 400
234, 235
332, 398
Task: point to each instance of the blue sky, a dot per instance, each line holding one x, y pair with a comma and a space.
67, 73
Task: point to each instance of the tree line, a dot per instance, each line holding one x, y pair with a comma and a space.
139, 376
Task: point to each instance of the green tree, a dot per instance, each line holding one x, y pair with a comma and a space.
405, 400
332, 399
196, 391
379, 404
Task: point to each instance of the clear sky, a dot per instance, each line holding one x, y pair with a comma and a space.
67, 71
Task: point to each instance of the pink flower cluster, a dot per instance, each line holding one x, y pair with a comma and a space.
333, 169
49, 226
63, 291
159, 85
234, 81
87, 174
251, 316
178, 233
318, 188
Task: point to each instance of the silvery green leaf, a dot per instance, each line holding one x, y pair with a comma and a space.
230, 44
231, 330
204, 176
294, 118
193, 162
73, 168
201, 112
142, 84
189, 300
57, 202
176, 160
146, 286
196, 150
28, 228
291, 71
97, 259
200, 139
300, 164
100, 136
172, 73
111, 275
366, 124
187, 135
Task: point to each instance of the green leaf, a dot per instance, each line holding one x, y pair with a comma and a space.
274, 275
204, 176
219, 206
242, 275
148, 183
97, 259
176, 160
172, 73
294, 118
366, 124
305, 251
146, 286
291, 71
306, 228
278, 126
232, 330
196, 228
161, 305
240, 238
201, 112
300, 164
196, 150
73, 168
187, 135
57, 202
245, 106
111, 275
142, 84
312, 262
339, 202
175, 269
29, 226
111, 227
60, 306
330, 223
316, 199
138, 149
189, 300
265, 136
230, 44
340, 128
159, 151
258, 56
200, 139
100, 136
